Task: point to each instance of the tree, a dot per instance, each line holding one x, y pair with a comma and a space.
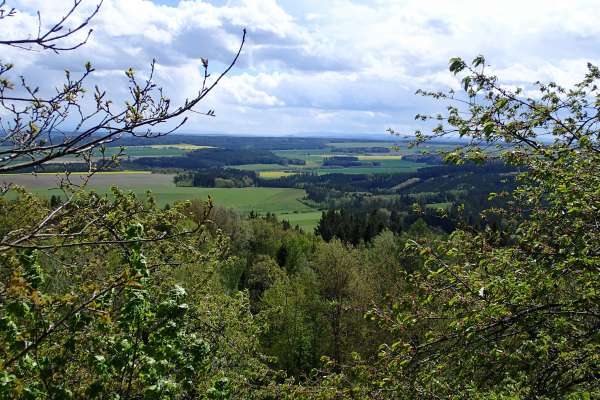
90, 304
509, 311
336, 267
33, 135
515, 312
294, 326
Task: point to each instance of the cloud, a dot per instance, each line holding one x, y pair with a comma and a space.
334, 66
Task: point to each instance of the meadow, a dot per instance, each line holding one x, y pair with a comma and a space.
285, 202
307, 221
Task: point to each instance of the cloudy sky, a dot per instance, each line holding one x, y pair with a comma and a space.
316, 66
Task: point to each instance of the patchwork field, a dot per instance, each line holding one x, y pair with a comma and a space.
287, 203
372, 164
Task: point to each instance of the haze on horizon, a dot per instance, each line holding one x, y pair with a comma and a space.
339, 66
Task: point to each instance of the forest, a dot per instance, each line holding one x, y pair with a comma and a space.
471, 276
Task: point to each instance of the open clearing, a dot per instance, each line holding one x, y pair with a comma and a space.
307, 221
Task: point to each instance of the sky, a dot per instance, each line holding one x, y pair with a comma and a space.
315, 66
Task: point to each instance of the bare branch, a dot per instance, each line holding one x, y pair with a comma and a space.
50, 39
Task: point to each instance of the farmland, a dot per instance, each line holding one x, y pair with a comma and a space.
272, 162
371, 163
282, 201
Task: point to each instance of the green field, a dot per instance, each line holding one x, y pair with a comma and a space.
285, 202
307, 221
409, 167
401, 147
386, 165
261, 200
313, 158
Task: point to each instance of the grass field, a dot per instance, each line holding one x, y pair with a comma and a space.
281, 201
388, 163
364, 170
313, 158
397, 147
307, 220
285, 202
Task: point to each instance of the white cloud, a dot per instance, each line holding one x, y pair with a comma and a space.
329, 66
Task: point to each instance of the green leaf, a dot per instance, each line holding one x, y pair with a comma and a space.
456, 65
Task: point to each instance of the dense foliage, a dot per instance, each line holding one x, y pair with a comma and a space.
217, 177
341, 161
113, 314
509, 313
211, 158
